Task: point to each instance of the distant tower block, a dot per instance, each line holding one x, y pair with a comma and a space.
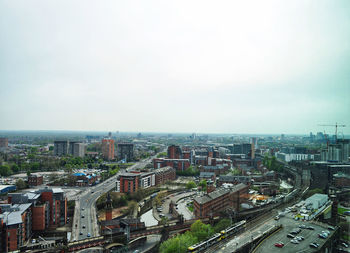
109, 207
110, 135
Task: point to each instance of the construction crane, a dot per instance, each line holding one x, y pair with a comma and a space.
336, 129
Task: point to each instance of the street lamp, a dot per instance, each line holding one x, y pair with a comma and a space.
110, 231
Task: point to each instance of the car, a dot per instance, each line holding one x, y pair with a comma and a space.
330, 227
81, 233
302, 226
83, 226
92, 191
345, 245
322, 235
326, 232
299, 238
279, 244
313, 245
277, 217
82, 216
88, 235
83, 209
294, 241
310, 228
290, 236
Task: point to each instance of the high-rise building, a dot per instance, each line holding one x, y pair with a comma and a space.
4, 143
108, 149
125, 151
61, 148
174, 152
76, 149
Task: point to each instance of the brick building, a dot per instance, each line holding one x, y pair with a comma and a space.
35, 180
220, 200
174, 152
177, 164
164, 174
233, 180
31, 211
131, 182
108, 149
341, 180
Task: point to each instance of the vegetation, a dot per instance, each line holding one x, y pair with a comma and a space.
191, 185
199, 231
271, 163
189, 172
221, 225
163, 154
5, 170
341, 210
203, 185
20, 184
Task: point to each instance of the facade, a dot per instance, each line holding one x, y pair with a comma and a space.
220, 201
31, 211
147, 180
164, 174
76, 149
125, 151
129, 182
316, 201
174, 152
177, 164
61, 148
233, 180
341, 180
35, 180
108, 149
4, 143
207, 176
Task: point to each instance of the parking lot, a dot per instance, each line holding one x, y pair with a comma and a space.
309, 235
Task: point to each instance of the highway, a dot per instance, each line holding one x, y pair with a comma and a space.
85, 220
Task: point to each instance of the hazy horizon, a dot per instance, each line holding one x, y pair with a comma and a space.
175, 67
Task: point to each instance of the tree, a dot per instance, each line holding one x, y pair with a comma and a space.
201, 230
221, 225
5, 171
179, 243
191, 185
15, 168
312, 192
203, 184
20, 184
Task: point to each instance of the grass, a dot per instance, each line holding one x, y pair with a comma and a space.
190, 207
341, 210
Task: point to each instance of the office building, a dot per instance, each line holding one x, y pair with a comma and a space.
61, 148
125, 151
174, 152
76, 149
108, 149
4, 143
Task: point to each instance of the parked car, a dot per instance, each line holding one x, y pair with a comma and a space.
314, 245
294, 241
279, 244
290, 236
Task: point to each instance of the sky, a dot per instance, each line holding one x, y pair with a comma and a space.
175, 66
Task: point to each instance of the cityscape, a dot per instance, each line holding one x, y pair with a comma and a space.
175, 126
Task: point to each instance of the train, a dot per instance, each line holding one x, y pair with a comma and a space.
237, 227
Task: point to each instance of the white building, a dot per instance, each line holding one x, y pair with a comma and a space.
316, 201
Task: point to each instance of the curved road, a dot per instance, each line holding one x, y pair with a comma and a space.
85, 205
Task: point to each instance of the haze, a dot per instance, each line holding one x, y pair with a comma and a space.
175, 66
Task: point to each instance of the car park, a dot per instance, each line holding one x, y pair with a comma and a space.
279, 244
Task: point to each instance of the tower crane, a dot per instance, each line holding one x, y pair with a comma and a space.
336, 128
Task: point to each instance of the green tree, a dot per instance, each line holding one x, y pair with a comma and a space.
203, 184
191, 185
309, 193
179, 243
201, 230
15, 168
221, 225
20, 184
5, 171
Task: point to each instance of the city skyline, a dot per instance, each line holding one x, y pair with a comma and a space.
177, 67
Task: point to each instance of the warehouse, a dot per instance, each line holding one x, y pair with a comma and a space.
7, 188
316, 201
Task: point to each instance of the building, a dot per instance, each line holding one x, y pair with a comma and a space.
108, 149
177, 164
341, 180
129, 182
125, 151
339, 152
174, 152
61, 148
4, 143
207, 176
35, 180
30, 211
7, 188
220, 201
233, 180
164, 174
76, 149
316, 201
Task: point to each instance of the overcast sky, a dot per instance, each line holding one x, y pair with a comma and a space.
175, 66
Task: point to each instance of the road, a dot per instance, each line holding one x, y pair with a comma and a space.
85, 211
